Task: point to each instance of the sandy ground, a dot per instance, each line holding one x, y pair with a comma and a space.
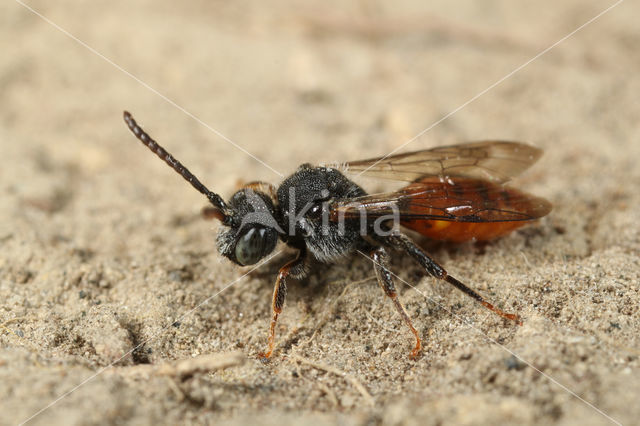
102, 249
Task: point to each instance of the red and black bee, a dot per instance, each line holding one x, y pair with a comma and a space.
455, 193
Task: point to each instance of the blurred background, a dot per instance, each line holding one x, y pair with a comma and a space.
101, 244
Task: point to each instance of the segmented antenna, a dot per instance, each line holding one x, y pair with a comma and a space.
214, 198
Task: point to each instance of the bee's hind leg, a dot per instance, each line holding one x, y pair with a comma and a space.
402, 242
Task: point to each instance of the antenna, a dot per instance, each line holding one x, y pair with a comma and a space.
176, 165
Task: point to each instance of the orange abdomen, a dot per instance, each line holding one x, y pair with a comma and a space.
471, 209
459, 232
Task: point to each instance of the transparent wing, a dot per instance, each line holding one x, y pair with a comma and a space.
493, 161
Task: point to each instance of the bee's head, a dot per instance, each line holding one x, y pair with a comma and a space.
252, 228
251, 231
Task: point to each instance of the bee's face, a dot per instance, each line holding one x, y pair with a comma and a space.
252, 232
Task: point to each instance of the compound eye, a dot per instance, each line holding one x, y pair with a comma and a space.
252, 246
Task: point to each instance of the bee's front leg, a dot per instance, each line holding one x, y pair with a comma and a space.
297, 268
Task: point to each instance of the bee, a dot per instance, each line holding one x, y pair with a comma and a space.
455, 193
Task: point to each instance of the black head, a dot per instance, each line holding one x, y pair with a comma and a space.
252, 231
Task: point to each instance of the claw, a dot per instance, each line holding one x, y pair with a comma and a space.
415, 353
265, 357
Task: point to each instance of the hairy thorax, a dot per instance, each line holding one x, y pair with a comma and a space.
304, 199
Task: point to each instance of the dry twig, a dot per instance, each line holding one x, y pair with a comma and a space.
187, 367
